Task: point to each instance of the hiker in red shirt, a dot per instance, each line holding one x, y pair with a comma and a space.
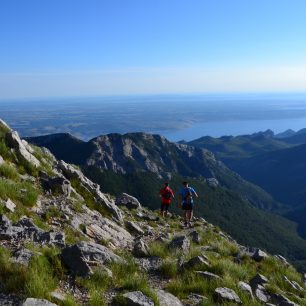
167, 195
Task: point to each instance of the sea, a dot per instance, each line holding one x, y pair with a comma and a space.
177, 117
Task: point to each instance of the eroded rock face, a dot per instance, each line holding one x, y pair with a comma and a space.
167, 299
99, 228
226, 295
56, 184
140, 249
25, 229
128, 201
22, 148
137, 298
71, 172
81, 256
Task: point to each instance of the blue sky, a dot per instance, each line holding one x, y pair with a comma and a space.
96, 47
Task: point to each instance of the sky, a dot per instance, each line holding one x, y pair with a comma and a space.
59, 48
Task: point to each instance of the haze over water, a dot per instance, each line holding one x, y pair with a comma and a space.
175, 116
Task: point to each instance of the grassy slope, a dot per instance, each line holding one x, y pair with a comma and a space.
222, 207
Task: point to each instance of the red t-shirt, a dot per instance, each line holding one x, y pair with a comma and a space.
163, 192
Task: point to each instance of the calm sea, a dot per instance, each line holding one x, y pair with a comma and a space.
177, 117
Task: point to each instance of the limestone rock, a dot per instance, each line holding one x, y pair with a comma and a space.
137, 298
223, 294
128, 201
134, 228
140, 249
246, 288
258, 279
1, 160
71, 172
293, 284
259, 255
55, 184
195, 237
37, 302
4, 124
261, 294
207, 275
180, 243
25, 229
281, 300
282, 259
196, 261
22, 148
101, 228
22, 256
79, 257
10, 205
167, 299
212, 182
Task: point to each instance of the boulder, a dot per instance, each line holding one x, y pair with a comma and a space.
167, 299
100, 228
196, 261
22, 256
207, 275
140, 249
223, 294
259, 255
55, 184
137, 298
134, 228
71, 172
180, 243
261, 294
195, 237
258, 279
246, 288
195, 299
127, 201
10, 205
212, 182
1, 160
81, 256
37, 302
22, 148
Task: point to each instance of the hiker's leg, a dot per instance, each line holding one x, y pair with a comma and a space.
189, 215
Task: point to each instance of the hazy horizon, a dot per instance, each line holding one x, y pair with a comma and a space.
91, 48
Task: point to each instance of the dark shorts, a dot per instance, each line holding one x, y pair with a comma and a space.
187, 206
164, 207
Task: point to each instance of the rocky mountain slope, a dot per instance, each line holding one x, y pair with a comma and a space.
138, 163
64, 242
146, 153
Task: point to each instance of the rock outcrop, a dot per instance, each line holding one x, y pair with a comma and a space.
22, 148
80, 257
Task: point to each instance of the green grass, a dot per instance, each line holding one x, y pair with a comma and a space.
24, 192
9, 172
169, 268
36, 280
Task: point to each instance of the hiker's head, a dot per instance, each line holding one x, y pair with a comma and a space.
185, 184
166, 184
